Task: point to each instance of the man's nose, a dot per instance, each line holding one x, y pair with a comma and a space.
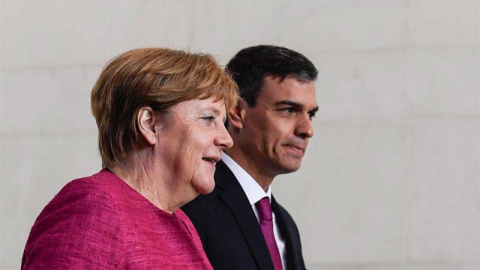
304, 127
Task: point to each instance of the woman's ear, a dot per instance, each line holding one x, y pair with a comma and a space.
146, 120
236, 115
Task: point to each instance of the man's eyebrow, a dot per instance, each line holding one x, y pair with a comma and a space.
314, 110
289, 103
295, 105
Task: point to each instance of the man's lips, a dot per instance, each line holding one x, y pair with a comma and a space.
300, 149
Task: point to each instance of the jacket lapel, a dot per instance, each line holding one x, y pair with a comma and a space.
290, 235
234, 197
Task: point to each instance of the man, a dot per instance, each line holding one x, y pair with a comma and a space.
270, 127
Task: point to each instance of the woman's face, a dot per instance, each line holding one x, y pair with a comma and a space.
191, 137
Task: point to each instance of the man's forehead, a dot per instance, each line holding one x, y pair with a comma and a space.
290, 90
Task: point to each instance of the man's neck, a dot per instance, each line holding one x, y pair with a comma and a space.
251, 167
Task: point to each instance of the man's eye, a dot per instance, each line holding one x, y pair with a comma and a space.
288, 110
311, 115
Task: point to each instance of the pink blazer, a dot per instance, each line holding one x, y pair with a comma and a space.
99, 222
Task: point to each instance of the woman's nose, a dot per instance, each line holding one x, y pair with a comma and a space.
224, 140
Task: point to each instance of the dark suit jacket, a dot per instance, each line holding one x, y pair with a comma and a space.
230, 232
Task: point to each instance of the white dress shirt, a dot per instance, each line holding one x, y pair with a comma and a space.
254, 194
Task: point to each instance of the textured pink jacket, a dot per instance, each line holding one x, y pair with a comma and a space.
99, 222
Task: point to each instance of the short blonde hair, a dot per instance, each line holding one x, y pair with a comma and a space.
155, 77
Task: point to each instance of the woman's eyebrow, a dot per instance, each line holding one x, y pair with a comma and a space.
212, 110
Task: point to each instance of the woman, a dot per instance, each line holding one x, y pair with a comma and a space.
160, 116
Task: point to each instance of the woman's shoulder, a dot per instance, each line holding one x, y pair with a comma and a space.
103, 179
82, 196
88, 200
79, 221
99, 186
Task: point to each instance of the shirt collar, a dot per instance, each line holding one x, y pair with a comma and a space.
251, 188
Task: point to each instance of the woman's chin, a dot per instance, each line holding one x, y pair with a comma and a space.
205, 187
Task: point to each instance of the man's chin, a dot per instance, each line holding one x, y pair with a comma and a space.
289, 168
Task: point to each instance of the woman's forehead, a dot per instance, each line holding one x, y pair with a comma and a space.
208, 104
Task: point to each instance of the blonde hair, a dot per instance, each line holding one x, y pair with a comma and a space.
155, 77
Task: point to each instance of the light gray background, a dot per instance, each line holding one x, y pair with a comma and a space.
391, 178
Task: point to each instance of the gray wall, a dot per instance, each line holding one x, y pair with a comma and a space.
391, 178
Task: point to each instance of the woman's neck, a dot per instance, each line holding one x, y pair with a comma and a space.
150, 183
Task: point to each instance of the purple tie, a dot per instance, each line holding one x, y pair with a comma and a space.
264, 210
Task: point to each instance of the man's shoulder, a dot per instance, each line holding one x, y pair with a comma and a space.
223, 176
282, 214
227, 190
203, 202
278, 207
224, 179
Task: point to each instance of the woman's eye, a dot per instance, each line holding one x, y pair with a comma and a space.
209, 118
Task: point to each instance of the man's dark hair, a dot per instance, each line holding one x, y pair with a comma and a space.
249, 67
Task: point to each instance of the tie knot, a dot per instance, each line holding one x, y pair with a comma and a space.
264, 209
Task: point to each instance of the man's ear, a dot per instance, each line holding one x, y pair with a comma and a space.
236, 115
146, 120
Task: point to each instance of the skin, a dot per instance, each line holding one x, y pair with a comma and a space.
182, 147
271, 137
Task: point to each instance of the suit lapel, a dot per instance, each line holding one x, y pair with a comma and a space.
236, 200
289, 234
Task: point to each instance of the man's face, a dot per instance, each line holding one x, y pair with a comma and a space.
277, 129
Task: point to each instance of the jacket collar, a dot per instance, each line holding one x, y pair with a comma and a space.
232, 194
